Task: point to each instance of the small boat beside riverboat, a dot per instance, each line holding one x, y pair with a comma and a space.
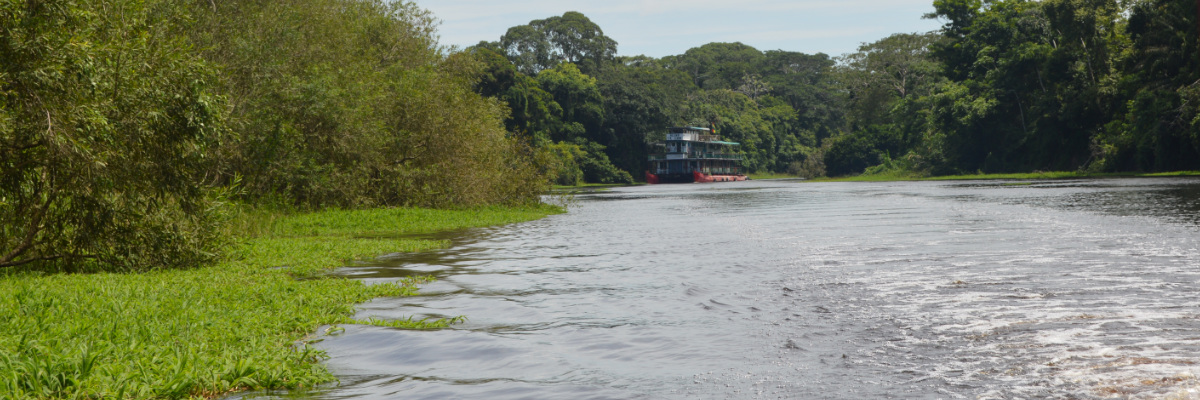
691, 154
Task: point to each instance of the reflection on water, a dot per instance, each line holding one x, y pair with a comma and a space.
777, 289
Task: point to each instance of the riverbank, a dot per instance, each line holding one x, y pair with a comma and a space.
593, 186
243, 323
887, 177
771, 175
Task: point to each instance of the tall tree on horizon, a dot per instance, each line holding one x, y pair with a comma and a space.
570, 38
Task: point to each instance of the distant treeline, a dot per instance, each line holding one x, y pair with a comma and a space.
126, 125
570, 92
1005, 86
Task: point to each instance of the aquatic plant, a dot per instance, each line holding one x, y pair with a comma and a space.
245, 323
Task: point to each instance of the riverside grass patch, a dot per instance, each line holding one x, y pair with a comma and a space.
1050, 175
244, 323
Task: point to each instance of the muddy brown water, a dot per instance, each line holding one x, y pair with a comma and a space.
1072, 289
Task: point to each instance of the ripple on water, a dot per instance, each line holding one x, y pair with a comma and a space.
1084, 289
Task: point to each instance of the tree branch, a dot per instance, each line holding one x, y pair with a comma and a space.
36, 259
35, 227
31, 145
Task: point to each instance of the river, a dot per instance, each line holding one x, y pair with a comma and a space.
1066, 289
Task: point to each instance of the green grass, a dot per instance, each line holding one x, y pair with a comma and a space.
894, 176
595, 185
770, 175
1175, 173
1031, 175
244, 323
883, 177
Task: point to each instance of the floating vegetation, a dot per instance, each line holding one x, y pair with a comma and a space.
238, 325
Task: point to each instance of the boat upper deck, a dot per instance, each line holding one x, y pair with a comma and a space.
695, 134
693, 143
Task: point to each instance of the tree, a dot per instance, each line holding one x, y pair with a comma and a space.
352, 103
778, 103
899, 63
105, 119
1028, 82
753, 86
736, 118
595, 165
851, 154
884, 84
1160, 128
570, 38
959, 16
579, 99
528, 48
717, 65
641, 99
533, 111
806, 83
793, 143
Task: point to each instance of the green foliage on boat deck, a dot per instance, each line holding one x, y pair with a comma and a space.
244, 323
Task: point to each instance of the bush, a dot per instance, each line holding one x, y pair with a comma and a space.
813, 165
562, 166
596, 166
352, 104
583, 161
853, 153
104, 127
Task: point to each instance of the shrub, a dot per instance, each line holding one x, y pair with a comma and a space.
105, 118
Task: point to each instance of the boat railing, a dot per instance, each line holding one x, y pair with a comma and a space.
725, 156
706, 170
722, 156
721, 171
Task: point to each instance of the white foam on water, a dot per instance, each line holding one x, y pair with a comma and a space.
1062, 317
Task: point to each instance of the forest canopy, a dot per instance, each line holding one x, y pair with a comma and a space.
1004, 86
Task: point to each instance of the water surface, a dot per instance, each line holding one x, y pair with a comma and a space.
780, 289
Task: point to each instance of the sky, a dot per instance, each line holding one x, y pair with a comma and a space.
659, 28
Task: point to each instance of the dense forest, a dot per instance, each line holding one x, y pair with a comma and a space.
126, 128
1004, 86
570, 92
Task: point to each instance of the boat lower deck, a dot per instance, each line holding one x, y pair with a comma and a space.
690, 177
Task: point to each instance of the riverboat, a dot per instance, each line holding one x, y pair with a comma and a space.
691, 154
